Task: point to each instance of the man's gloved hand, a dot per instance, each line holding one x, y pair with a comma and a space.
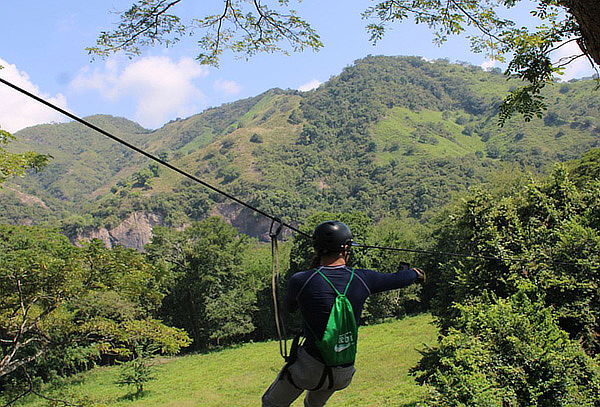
421, 276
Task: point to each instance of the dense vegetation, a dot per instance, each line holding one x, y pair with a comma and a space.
65, 308
519, 332
522, 332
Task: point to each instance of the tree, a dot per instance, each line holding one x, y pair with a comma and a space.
39, 271
143, 178
243, 26
17, 164
136, 373
206, 295
251, 26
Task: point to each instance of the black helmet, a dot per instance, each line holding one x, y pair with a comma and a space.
331, 237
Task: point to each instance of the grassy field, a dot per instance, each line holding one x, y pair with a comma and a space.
238, 376
427, 131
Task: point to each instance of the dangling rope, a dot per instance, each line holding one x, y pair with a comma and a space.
276, 268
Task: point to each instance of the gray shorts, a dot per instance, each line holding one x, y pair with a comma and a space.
306, 373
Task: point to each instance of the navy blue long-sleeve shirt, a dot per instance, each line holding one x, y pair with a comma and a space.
310, 293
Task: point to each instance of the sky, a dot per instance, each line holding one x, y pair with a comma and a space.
42, 48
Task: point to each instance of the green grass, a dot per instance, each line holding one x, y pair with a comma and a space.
406, 129
238, 376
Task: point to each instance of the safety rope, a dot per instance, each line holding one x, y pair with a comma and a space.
275, 280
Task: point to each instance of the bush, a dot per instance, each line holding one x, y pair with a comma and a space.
554, 225
295, 117
508, 353
136, 373
553, 119
228, 174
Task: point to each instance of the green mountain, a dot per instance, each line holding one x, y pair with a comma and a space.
389, 135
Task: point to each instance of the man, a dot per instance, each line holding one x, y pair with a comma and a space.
313, 292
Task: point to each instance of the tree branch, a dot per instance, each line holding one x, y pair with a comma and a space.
143, 26
481, 28
11, 367
31, 390
568, 60
6, 364
563, 43
218, 39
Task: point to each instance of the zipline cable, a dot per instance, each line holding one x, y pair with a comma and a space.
233, 198
151, 156
432, 252
455, 254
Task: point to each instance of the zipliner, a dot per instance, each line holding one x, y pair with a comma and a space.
317, 293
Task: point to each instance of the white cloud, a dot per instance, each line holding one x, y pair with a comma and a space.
489, 64
18, 111
309, 85
227, 87
578, 68
160, 87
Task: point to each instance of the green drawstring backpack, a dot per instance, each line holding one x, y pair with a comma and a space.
338, 345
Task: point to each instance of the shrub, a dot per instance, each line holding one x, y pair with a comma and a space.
508, 353
136, 373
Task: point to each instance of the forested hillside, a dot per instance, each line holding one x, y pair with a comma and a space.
388, 136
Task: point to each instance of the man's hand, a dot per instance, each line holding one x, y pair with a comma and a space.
421, 276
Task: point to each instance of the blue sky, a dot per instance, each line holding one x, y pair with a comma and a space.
42, 48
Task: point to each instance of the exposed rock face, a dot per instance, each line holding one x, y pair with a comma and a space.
27, 199
136, 231
133, 232
244, 220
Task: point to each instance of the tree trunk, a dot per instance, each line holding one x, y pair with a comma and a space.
587, 15
194, 318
